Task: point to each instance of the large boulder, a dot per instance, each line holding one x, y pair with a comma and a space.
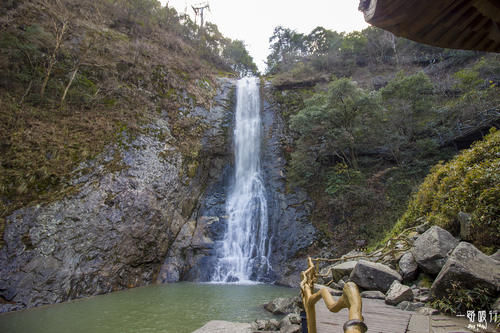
408, 267
373, 276
343, 269
337, 271
431, 249
398, 293
471, 268
284, 305
220, 326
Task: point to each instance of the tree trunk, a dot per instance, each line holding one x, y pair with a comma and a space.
69, 83
26, 92
53, 57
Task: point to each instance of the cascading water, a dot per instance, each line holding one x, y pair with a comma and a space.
245, 251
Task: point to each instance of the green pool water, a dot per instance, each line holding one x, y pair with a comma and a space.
169, 308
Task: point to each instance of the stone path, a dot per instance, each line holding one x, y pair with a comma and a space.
383, 318
379, 317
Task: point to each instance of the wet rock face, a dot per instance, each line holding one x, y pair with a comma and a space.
192, 255
289, 211
117, 230
289, 231
111, 235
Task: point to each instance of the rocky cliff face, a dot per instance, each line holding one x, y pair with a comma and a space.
116, 231
193, 255
289, 209
146, 218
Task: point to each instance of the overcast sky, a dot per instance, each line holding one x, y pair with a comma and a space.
253, 21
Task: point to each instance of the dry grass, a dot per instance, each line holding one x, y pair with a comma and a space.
128, 78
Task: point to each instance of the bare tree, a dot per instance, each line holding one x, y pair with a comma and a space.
90, 42
60, 18
87, 44
392, 40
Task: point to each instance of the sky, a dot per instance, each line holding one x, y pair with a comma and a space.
253, 21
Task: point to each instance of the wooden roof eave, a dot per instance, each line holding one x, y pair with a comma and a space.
459, 24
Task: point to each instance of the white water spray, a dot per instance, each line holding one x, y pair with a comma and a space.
244, 255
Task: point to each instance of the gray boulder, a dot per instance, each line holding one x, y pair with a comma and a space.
398, 293
290, 329
431, 249
284, 305
220, 326
290, 319
372, 294
373, 276
408, 267
471, 268
265, 325
340, 270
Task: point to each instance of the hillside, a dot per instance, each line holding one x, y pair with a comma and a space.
79, 76
368, 115
468, 186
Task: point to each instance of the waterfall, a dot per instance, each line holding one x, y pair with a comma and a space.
245, 250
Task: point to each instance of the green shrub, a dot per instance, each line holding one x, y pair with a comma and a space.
469, 183
459, 300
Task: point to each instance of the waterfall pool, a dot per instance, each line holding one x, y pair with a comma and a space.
169, 308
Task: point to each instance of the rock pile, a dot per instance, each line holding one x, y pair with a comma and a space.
427, 270
436, 255
291, 323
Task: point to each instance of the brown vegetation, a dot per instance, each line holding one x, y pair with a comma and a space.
77, 76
